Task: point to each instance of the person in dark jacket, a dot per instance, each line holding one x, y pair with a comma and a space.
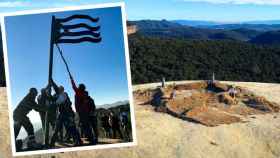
46, 100
21, 119
124, 124
157, 97
92, 116
115, 125
83, 109
66, 116
106, 125
80, 96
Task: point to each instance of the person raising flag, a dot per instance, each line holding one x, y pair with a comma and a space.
83, 109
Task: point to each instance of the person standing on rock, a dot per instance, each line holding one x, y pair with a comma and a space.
105, 124
83, 109
65, 117
124, 124
115, 125
21, 119
157, 97
92, 116
45, 100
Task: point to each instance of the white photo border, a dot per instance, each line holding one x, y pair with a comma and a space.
5, 51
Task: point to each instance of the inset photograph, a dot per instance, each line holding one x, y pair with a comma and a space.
68, 79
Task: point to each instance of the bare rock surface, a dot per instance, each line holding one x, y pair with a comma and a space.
163, 136
206, 102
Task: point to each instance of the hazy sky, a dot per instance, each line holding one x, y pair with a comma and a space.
214, 10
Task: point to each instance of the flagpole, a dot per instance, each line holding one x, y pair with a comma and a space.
51, 51
49, 79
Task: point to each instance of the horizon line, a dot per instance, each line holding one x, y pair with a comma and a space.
214, 21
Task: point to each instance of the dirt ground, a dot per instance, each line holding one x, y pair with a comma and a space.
163, 136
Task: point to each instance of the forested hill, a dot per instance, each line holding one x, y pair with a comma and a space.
176, 59
255, 33
267, 38
164, 28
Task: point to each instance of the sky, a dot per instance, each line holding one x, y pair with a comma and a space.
210, 10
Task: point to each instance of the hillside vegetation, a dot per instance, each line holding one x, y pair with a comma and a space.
267, 38
176, 59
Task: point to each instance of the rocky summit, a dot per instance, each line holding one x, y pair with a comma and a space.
162, 135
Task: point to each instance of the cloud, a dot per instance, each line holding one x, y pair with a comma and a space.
239, 2
12, 4
34, 4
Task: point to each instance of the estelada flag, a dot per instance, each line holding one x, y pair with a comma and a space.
65, 33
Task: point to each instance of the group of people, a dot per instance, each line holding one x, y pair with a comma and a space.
116, 125
56, 112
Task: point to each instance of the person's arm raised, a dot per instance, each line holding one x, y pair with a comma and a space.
55, 87
73, 84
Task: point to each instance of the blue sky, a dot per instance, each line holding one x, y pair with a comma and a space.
101, 66
213, 10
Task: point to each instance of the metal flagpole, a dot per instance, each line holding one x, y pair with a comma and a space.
51, 51
49, 79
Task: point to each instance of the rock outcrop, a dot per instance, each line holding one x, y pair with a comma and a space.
208, 103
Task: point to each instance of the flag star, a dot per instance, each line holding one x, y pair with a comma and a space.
61, 30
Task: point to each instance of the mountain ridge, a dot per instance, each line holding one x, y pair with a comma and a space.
115, 104
237, 32
169, 29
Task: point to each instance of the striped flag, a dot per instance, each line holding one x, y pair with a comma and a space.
65, 33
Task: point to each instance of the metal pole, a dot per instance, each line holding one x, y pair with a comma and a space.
50, 77
51, 50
